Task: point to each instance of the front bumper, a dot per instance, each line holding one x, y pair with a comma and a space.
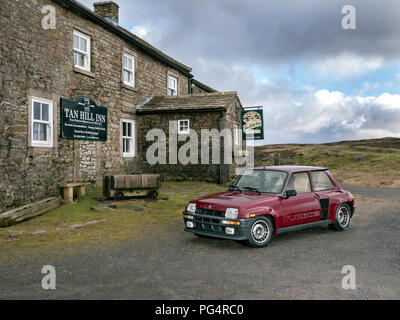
212, 226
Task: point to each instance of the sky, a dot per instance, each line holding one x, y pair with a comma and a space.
316, 81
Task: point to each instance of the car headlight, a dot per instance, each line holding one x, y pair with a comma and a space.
231, 213
191, 207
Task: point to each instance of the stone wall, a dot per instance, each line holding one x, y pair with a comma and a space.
38, 62
168, 122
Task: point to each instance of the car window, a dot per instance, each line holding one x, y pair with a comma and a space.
267, 181
321, 181
299, 182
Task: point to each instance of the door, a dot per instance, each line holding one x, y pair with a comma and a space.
322, 186
302, 208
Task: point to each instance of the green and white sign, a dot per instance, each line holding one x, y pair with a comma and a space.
82, 119
253, 124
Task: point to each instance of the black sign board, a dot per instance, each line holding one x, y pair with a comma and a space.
82, 119
253, 124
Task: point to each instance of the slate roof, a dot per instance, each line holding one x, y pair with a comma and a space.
218, 101
203, 86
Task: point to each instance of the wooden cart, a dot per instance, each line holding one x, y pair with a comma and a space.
118, 187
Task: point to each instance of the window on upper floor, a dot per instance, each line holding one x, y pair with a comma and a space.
183, 127
128, 136
172, 86
42, 123
81, 50
129, 70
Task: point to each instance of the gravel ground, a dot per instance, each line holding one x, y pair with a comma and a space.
172, 264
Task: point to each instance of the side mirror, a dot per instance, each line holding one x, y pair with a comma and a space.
290, 193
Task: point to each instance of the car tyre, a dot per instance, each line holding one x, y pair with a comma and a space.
342, 219
153, 194
119, 195
261, 232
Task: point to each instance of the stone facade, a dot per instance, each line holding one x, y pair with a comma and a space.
39, 62
220, 111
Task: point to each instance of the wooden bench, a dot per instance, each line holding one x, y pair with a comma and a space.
68, 190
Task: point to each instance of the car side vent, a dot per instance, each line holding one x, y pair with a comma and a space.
324, 208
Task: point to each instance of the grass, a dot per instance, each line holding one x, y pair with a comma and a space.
113, 225
366, 162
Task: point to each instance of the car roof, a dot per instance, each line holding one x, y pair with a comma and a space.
292, 168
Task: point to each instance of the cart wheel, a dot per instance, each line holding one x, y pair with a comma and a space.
153, 194
118, 195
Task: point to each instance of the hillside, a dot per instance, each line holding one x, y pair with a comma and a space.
374, 162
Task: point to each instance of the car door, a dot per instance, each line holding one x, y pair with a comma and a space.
302, 208
323, 187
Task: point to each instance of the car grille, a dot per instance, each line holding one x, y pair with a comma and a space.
208, 223
214, 213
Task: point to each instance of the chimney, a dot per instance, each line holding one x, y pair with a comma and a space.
108, 10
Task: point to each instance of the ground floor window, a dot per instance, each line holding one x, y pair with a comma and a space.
128, 136
42, 123
183, 127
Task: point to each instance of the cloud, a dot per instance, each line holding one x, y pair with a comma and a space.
267, 32
346, 66
147, 32
225, 41
326, 116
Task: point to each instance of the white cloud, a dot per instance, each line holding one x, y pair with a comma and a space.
147, 32
345, 66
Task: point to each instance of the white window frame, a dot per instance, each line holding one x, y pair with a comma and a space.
132, 71
176, 86
85, 54
49, 124
129, 138
236, 135
184, 131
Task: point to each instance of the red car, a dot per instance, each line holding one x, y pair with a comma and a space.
267, 201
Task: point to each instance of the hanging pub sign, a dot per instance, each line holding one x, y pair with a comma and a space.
253, 124
82, 119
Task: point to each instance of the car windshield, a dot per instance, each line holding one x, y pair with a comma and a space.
267, 181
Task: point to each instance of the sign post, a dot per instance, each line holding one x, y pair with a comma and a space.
253, 124
82, 119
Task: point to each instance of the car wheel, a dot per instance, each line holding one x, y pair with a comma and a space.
260, 233
343, 217
118, 195
153, 194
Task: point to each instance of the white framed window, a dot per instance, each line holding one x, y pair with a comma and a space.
236, 135
183, 126
129, 70
128, 136
172, 86
81, 50
42, 123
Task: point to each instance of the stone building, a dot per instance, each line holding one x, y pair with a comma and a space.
198, 87
58, 53
201, 113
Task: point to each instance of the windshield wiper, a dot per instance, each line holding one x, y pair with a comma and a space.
234, 188
252, 189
